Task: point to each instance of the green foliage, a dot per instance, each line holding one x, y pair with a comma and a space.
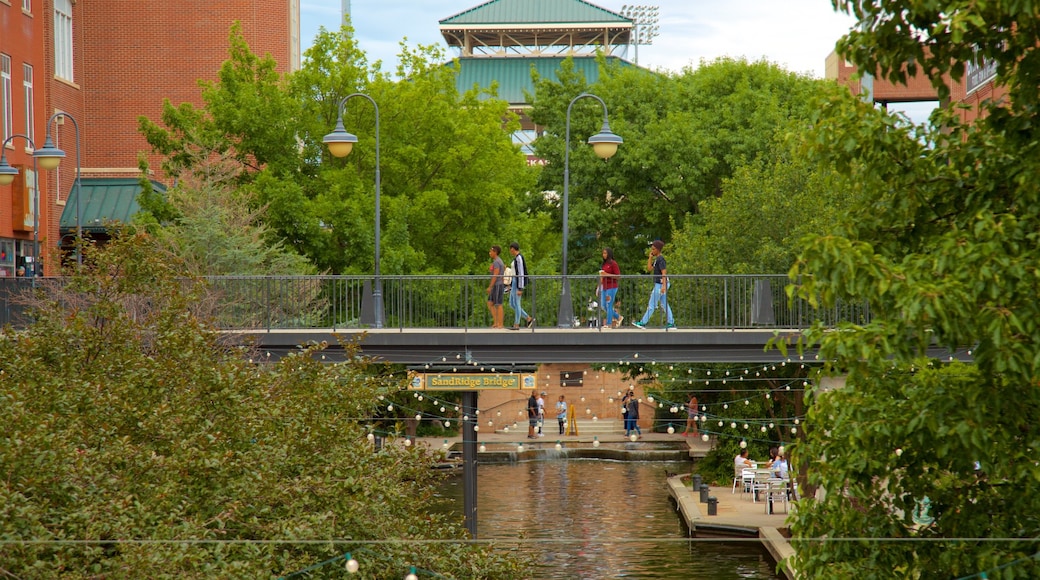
943, 245
767, 206
769, 397
452, 182
136, 445
685, 134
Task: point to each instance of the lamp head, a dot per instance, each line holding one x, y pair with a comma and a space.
339, 142
48, 157
605, 143
7, 173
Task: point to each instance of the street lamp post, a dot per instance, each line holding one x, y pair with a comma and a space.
50, 157
7, 175
605, 145
340, 144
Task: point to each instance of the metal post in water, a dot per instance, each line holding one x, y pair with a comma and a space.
469, 461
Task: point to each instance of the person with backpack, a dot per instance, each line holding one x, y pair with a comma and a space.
517, 288
659, 296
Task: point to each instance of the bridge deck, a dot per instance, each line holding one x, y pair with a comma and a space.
539, 345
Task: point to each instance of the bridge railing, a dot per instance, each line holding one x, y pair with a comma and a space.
344, 302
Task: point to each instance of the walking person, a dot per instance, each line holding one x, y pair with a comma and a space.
691, 416
609, 272
561, 413
517, 289
496, 288
659, 296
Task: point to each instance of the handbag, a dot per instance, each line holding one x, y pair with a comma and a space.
507, 276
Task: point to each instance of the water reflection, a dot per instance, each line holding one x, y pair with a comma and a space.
600, 519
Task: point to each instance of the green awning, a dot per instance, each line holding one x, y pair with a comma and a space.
102, 200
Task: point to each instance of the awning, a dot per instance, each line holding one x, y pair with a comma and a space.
102, 200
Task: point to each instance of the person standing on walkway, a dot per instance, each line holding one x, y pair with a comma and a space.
517, 289
561, 413
633, 412
496, 288
532, 416
691, 416
541, 413
659, 296
608, 283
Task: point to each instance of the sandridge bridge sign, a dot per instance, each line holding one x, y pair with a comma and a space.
471, 381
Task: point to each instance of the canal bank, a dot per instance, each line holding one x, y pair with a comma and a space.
736, 515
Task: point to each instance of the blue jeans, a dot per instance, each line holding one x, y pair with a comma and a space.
657, 299
514, 303
608, 304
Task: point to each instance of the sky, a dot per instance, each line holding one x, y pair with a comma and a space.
795, 34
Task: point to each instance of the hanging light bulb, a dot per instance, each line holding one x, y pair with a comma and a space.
370, 437
407, 442
447, 423
559, 446
389, 407
483, 448
352, 564
671, 430
743, 444
633, 437
595, 441
411, 575
520, 448
704, 437
476, 427
445, 445
418, 417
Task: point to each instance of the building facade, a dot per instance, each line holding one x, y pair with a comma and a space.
92, 68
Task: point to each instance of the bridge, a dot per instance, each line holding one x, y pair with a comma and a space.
442, 320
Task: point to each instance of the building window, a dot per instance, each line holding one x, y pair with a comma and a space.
63, 39
27, 6
30, 116
6, 107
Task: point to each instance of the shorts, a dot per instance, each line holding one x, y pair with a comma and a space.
495, 296
533, 421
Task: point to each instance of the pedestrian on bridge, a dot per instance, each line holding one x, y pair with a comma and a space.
609, 272
659, 296
496, 287
517, 290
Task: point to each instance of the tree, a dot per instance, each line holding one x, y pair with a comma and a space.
684, 135
943, 246
137, 445
452, 181
755, 227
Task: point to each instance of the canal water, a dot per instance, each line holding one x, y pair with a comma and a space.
593, 519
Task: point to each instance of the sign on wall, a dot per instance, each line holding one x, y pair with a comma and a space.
471, 382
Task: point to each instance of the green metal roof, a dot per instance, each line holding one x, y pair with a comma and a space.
103, 200
514, 74
535, 12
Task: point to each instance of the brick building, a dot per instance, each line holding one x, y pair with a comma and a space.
105, 64
974, 89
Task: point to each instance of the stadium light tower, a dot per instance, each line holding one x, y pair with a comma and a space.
644, 24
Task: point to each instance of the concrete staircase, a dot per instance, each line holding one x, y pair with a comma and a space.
588, 427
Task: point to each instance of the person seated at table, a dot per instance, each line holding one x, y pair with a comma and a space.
780, 466
741, 461
773, 452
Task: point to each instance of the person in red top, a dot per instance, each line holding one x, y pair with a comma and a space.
608, 283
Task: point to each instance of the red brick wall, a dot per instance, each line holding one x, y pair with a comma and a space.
22, 38
138, 53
